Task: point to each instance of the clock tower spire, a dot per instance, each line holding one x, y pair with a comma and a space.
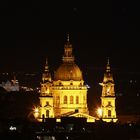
108, 96
46, 98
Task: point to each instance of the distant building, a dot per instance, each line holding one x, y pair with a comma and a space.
12, 85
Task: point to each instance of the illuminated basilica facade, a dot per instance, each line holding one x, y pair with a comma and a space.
65, 95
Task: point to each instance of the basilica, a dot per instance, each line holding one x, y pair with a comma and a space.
65, 94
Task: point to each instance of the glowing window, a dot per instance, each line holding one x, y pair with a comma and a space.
71, 99
65, 99
77, 100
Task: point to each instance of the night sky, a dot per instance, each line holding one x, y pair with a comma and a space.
30, 32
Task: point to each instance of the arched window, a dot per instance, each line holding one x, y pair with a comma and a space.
77, 100
71, 99
57, 100
47, 113
109, 113
65, 99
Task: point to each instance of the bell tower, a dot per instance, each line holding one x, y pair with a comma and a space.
46, 80
108, 96
46, 98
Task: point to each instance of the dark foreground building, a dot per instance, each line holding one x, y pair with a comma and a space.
67, 129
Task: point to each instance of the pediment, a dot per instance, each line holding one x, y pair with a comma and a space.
82, 115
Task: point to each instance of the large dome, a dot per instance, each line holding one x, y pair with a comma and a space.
68, 71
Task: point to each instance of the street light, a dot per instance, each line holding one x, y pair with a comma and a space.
99, 112
36, 112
